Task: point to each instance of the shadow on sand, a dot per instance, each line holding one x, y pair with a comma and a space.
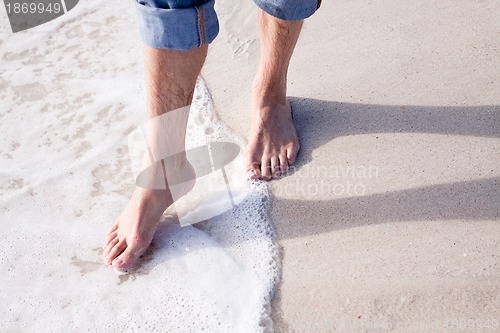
319, 122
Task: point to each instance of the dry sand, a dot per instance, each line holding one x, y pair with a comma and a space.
391, 216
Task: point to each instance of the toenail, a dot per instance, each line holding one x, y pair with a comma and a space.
120, 271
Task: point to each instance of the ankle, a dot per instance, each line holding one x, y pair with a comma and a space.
269, 92
150, 198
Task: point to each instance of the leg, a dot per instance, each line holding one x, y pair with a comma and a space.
176, 33
170, 79
273, 143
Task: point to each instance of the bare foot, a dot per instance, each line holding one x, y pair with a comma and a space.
134, 229
273, 143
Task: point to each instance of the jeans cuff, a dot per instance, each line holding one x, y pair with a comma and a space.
289, 10
178, 28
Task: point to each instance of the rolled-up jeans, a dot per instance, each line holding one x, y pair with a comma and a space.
187, 24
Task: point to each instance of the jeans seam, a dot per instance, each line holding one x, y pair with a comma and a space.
200, 13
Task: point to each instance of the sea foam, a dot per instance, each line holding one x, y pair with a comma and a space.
71, 94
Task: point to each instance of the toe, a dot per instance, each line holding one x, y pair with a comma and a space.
283, 163
275, 166
109, 238
127, 259
291, 154
253, 170
110, 245
265, 168
113, 228
116, 251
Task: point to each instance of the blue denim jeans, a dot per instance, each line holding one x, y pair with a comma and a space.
187, 24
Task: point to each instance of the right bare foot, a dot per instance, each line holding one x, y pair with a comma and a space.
170, 81
134, 229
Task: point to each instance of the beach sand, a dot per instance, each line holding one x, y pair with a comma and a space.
389, 221
391, 216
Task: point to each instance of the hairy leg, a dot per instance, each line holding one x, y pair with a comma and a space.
273, 142
170, 81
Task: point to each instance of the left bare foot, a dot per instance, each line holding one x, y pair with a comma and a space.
273, 143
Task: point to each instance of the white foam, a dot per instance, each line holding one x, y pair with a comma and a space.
71, 93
